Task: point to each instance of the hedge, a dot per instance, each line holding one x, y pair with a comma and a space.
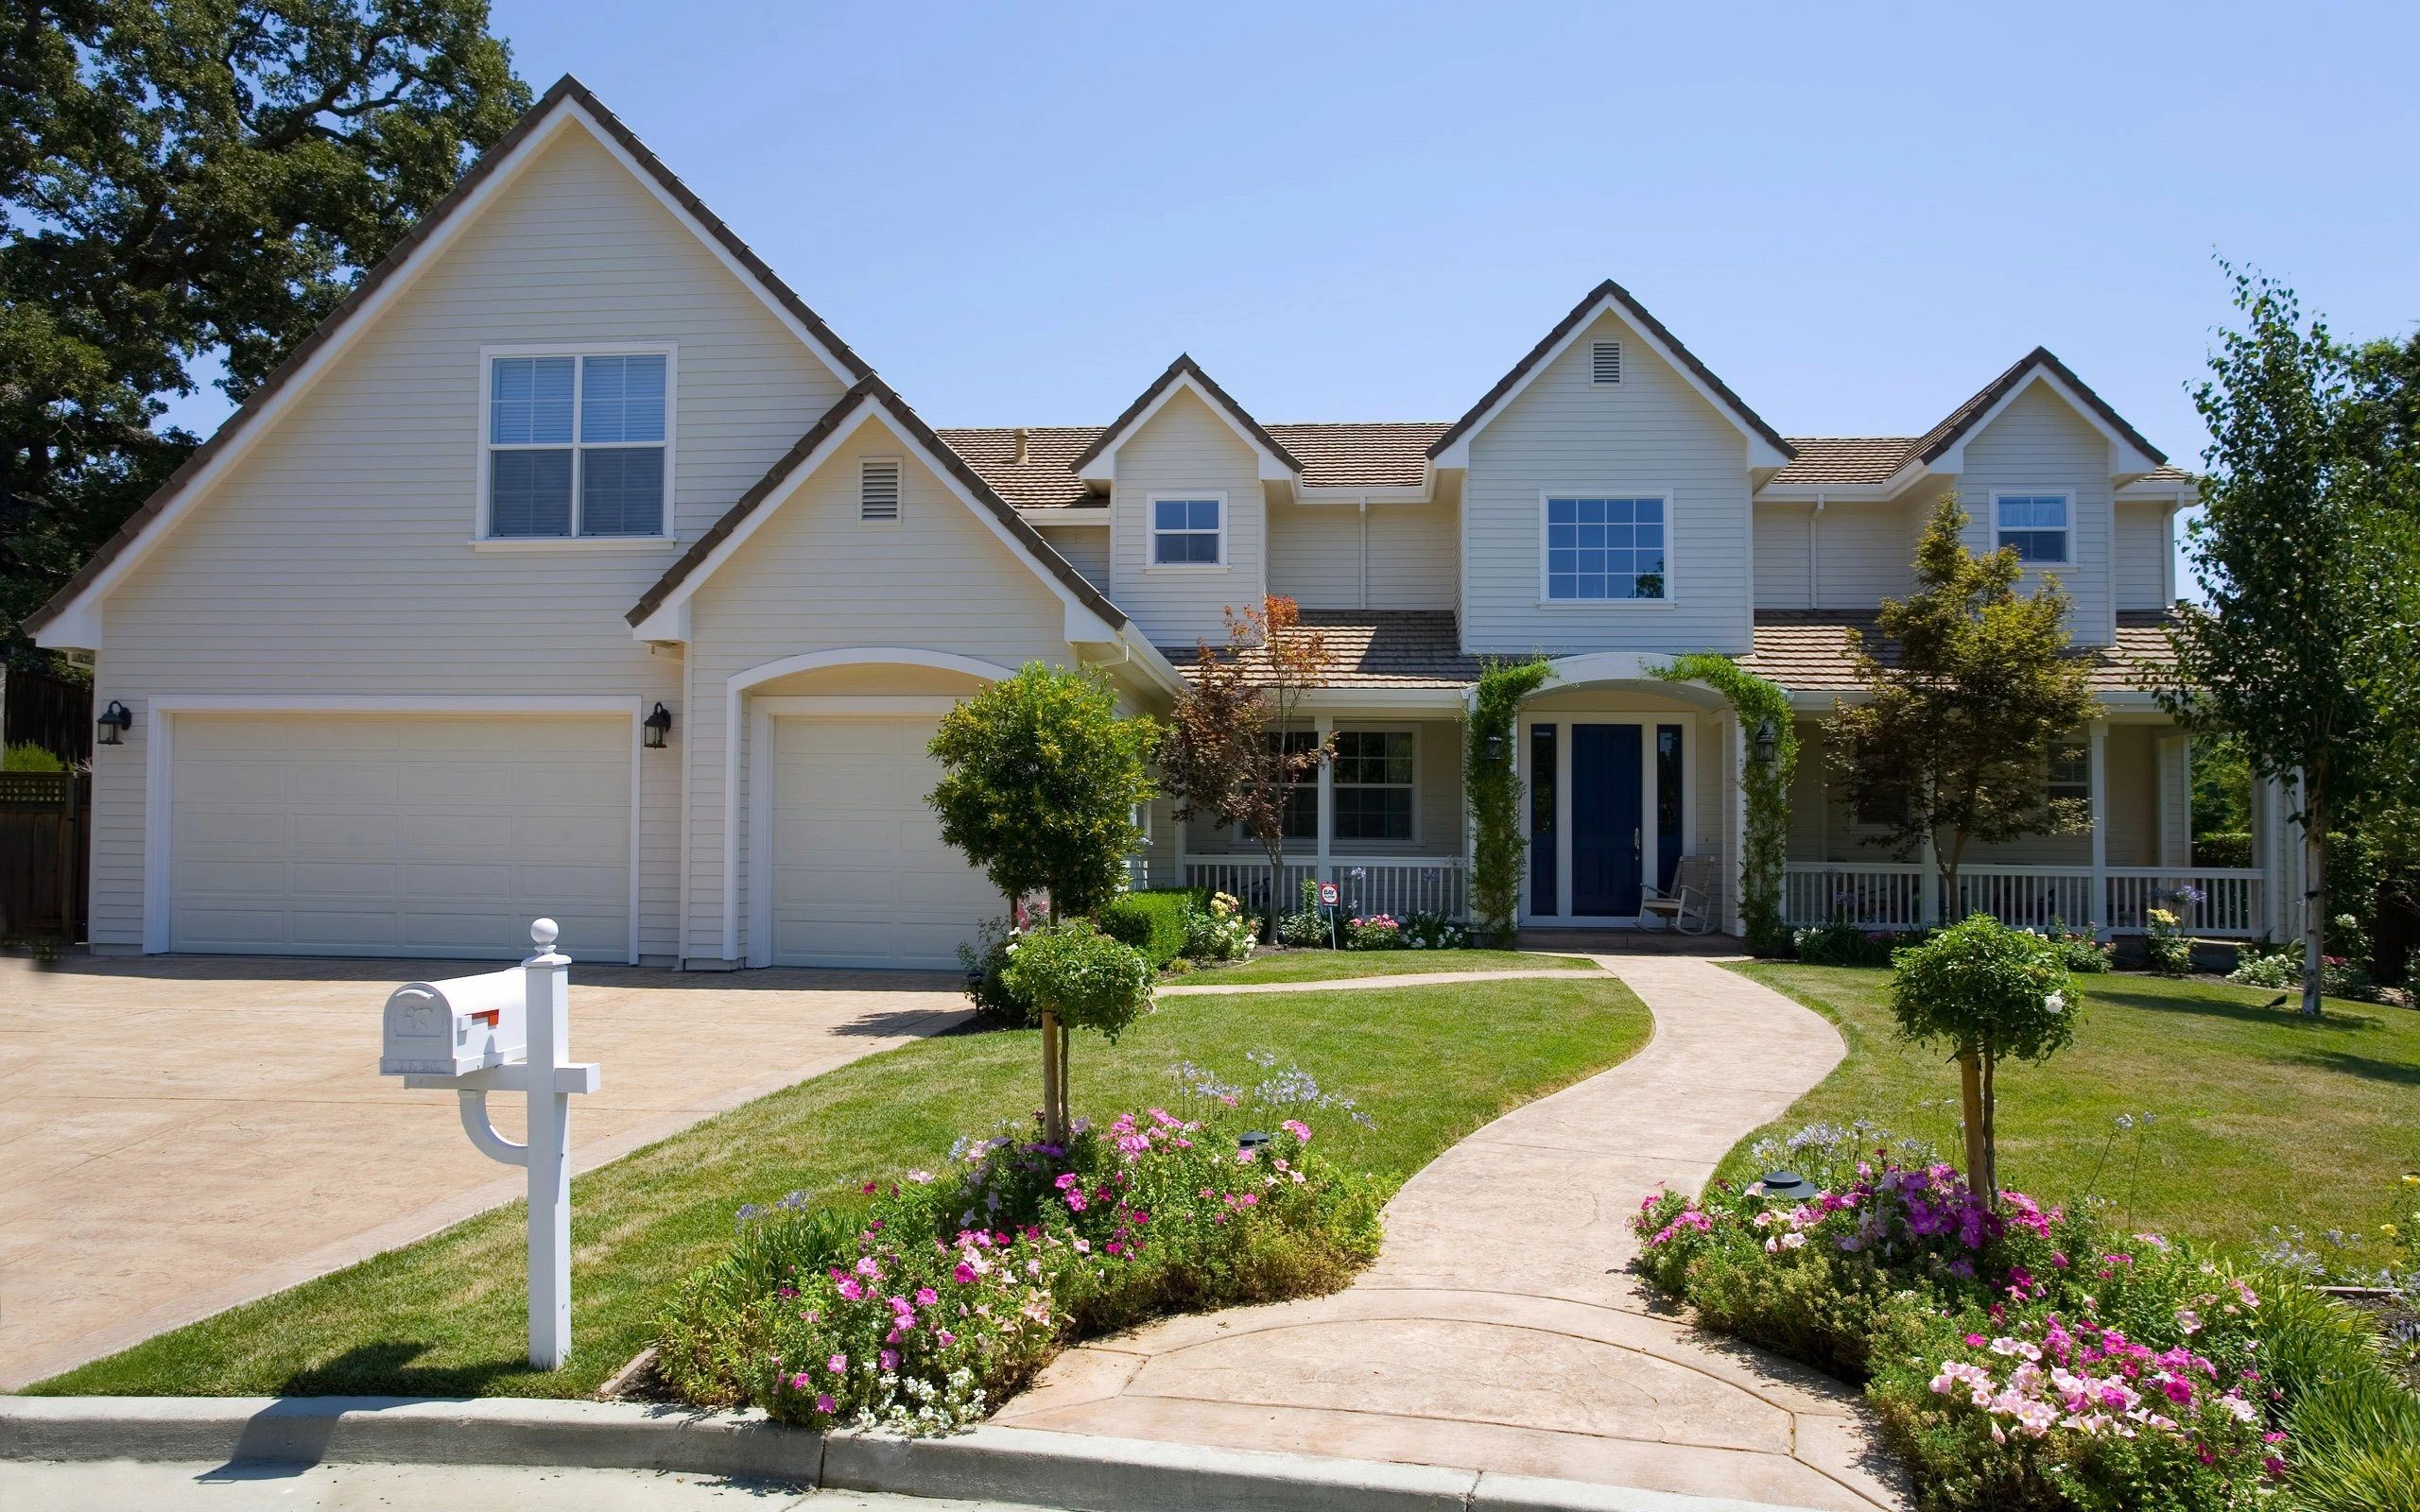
1152, 921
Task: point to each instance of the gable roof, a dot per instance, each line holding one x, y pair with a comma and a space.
1605, 293
1954, 426
1178, 373
567, 97
699, 560
1334, 454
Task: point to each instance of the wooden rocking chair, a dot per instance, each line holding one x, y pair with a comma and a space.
1687, 907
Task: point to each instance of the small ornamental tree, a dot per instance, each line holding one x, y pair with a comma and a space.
1233, 754
1498, 838
1988, 992
1044, 778
1078, 978
1952, 741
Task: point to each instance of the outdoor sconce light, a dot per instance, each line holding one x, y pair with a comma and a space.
1788, 1185
658, 725
1764, 742
115, 721
1494, 749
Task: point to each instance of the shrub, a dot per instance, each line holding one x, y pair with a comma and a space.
2281, 968
1987, 991
2224, 847
2171, 951
2077, 951
923, 1305
1306, 928
1087, 979
1424, 930
1219, 930
1374, 932
996, 1003
1849, 945
1152, 923
24, 756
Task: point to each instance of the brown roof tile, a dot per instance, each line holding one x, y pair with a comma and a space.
1333, 455
1845, 460
1807, 650
1362, 454
1184, 367
1375, 648
1045, 479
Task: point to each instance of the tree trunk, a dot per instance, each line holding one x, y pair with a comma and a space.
1991, 1133
1054, 1130
1066, 1093
2314, 903
1979, 1136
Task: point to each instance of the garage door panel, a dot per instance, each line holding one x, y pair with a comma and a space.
859, 873
342, 835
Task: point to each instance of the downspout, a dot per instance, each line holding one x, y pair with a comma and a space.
1365, 551
1814, 549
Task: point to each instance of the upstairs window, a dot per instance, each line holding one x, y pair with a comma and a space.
1605, 549
577, 445
1605, 364
1374, 784
1189, 532
2040, 526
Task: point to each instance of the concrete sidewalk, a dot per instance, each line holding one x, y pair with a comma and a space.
185, 1133
1500, 1325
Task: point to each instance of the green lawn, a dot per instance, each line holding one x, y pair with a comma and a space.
2264, 1118
445, 1316
1330, 966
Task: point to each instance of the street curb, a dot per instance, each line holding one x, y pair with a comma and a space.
1078, 1471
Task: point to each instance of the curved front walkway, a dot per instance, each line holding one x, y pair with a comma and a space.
1500, 1328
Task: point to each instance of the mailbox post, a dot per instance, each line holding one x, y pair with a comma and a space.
507, 1031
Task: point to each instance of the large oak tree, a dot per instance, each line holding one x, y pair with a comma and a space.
185, 182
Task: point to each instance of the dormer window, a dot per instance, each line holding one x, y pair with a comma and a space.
1605, 364
576, 444
1189, 531
2040, 526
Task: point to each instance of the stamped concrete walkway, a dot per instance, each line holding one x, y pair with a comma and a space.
1500, 1328
182, 1133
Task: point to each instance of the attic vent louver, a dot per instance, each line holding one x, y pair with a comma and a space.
878, 490
1608, 366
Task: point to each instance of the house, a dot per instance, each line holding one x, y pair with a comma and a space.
575, 566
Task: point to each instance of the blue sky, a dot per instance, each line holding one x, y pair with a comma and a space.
1856, 216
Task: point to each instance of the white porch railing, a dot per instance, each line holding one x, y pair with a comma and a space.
1369, 885
2222, 903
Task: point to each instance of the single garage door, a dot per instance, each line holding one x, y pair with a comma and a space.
423, 835
861, 876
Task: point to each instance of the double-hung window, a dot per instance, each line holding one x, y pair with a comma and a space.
1189, 531
1605, 549
1374, 784
2070, 769
576, 444
2040, 526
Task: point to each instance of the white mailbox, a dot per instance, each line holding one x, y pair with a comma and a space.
463, 1024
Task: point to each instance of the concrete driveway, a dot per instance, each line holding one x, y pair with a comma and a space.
183, 1133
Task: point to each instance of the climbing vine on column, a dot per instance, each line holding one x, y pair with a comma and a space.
1493, 791
1760, 705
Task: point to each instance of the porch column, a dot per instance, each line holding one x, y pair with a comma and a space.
1176, 837
1324, 726
1736, 918
1929, 901
2099, 770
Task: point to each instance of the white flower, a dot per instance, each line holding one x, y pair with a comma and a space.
2056, 1003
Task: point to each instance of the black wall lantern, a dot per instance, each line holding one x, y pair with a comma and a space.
115, 721
1763, 744
658, 725
1494, 749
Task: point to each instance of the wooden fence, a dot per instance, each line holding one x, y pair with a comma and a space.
44, 825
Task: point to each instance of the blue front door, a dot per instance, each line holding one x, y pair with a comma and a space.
1605, 820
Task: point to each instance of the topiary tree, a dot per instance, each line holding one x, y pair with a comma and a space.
1987, 991
1493, 790
1044, 780
1081, 979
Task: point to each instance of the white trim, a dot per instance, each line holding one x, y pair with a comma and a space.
1103, 467
1992, 541
1546, 496
482, 516
1649, 848
2125, 459
668, 622
1761, 452
78, 625
1151, 530
573, 545
159, 757
737, 684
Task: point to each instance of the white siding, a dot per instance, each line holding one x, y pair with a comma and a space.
1862, 552
1186, 449
1784, 568
1412, 556
1651, 433
1086, 548
2039, 443
815, 577
1335, 556
2143, 548
335, 559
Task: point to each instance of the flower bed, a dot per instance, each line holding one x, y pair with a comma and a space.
928, 1300
2018, 1356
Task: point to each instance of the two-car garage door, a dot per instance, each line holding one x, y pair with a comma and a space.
421, 835
860, 874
